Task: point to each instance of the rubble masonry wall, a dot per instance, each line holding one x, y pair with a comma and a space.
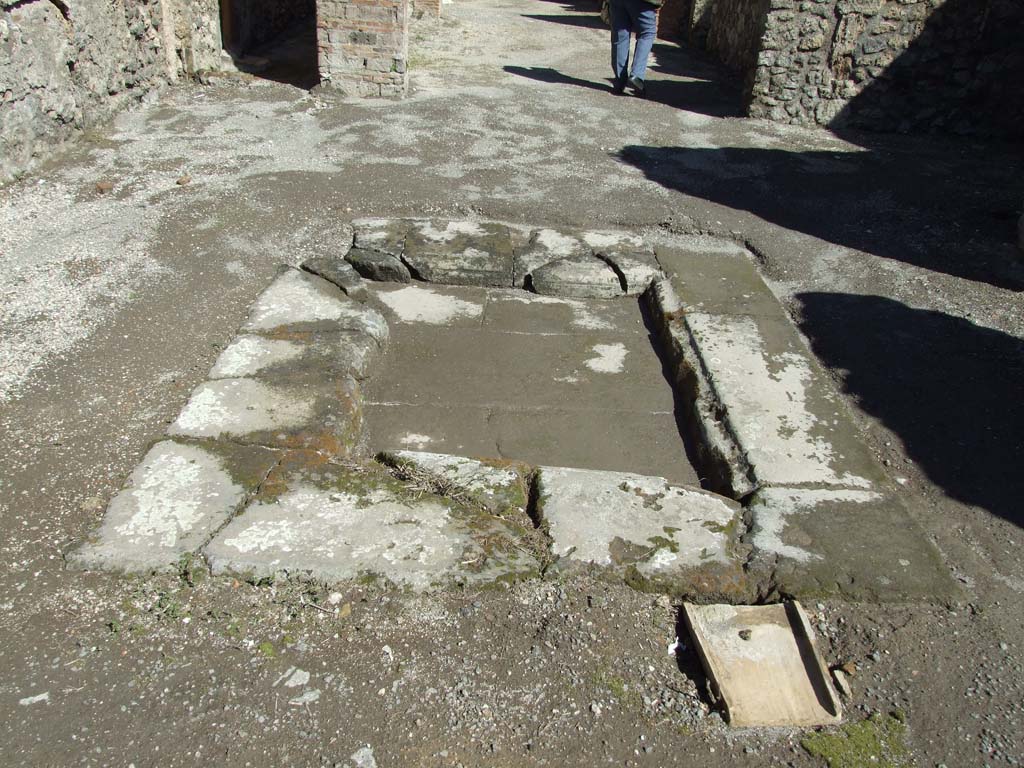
952, 66
67, 67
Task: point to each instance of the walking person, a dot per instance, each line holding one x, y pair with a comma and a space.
639, 17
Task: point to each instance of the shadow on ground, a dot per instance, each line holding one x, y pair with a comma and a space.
703, 97
950, 389
927, 208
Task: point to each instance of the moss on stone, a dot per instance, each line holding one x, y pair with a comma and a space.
879, 741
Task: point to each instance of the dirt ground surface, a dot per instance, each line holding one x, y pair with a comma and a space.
894, 255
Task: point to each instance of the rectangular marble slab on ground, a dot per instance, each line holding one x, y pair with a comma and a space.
331, 524
682, 540
173, 502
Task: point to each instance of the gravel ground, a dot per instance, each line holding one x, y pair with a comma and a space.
894, 254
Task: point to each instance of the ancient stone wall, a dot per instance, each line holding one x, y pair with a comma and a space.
363, 45
953, 66
66, 67
735, 30
192, 32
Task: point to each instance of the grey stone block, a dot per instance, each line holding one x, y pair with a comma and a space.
381, 235
299, 355
543, 247
717, 276
581, 278
339, 272
377, 266
461, 253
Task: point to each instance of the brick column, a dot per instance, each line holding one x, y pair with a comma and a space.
363, 45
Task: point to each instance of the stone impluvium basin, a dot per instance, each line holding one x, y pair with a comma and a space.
268, 471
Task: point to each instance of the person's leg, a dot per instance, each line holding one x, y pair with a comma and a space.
621, 26
645, 24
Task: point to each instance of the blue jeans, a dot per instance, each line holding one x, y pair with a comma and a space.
640, 18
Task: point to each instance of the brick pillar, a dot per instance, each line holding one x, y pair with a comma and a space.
363, 45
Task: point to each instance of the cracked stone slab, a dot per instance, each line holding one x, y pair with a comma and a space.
543, 247
297, 300
638, 268
460, 253
325, 416
496, 486
331, 523
310, 354
338, 271
579, 278
173, 502
860, 545
379, 267
629, 255
661, 536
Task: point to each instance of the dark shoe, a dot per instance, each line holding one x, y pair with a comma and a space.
639, 87
618, 87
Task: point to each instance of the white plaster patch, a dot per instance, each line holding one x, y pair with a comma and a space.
451, 230
557, 244
767, 395
423, 305
609, 358
608, 239
416, 440
248, 355
582, 315
239, 407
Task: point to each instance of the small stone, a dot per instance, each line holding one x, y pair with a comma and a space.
183, 180
595, 708
842, 683
339, 272
745, 634
381, 267
103, 187
875, 656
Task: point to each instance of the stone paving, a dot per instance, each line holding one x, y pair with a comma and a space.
269, 470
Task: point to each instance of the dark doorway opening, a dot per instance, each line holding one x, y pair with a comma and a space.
272, 39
